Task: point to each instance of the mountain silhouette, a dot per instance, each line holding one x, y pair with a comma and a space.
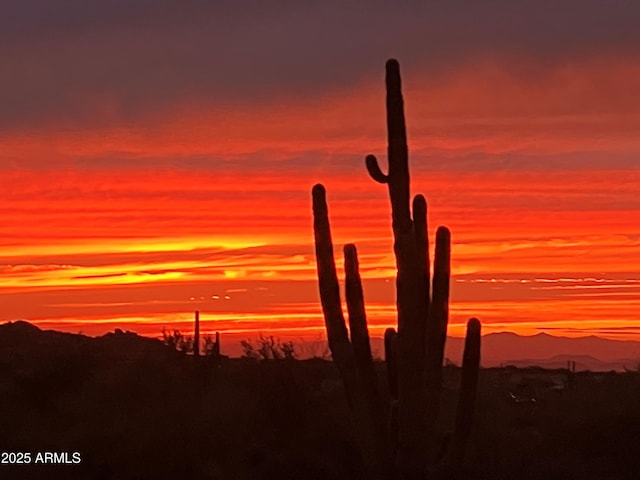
504, 348
548, 350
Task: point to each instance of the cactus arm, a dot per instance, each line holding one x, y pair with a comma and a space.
369, 425
437, 323
358, 320
440, 297
422, 239
420, 232
327, 276
370, 408
374, 170
330, 295
468, 391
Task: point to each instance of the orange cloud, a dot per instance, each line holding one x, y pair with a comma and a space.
534, 175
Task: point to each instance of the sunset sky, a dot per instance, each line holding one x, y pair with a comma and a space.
157, 157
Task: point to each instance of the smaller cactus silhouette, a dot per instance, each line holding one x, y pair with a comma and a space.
196, 336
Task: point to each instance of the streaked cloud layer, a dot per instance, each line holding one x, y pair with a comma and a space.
157, 157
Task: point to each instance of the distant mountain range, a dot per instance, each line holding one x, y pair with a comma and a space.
590, 353
548, 351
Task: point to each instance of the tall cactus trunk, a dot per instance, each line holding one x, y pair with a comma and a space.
196, 336
411, 289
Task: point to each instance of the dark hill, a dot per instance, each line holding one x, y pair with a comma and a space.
23, 339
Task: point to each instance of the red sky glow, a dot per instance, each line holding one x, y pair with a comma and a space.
176, 175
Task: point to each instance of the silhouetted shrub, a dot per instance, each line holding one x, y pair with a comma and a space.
176, 340
268, 348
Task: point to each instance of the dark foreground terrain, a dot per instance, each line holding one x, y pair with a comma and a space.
134, 409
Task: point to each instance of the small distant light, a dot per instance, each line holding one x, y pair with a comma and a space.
216, 297
227, 297
192, 298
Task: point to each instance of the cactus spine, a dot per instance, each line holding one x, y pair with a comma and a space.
414, 354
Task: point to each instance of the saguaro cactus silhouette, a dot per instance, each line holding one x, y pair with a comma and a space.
405, 443
196, 335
